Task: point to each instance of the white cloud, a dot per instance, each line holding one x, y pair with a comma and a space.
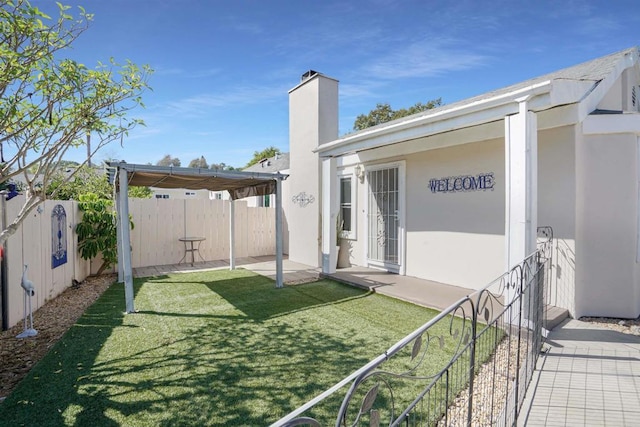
425, 59
200, 105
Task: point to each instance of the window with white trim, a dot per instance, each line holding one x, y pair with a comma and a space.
347, 207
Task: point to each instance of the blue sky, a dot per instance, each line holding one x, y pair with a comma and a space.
223, 68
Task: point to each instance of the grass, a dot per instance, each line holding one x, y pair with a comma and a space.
209, 348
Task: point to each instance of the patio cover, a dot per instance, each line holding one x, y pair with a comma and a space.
238, 184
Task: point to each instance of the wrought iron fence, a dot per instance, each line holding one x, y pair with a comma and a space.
468, 366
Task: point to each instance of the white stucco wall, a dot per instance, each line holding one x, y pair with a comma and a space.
606, 226
556, 208
456, 238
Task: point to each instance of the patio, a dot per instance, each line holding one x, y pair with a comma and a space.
426, 293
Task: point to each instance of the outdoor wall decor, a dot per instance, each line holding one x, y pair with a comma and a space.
58, 236
303, 199
455, 184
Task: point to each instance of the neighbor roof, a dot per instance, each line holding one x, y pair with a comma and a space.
277, 163
238, 184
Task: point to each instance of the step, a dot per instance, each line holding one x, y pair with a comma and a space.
553, 316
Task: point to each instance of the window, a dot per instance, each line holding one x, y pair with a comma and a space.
264, 201
347, 209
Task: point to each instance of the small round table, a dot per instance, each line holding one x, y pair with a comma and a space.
190, 247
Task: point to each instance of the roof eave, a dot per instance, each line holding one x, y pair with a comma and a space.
482, 111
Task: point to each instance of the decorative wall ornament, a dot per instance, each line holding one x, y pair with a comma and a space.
462, 183
58, 236
303, 199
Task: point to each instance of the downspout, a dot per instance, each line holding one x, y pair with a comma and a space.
4, 290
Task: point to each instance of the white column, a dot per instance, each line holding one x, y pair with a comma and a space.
119, 237
521, 184
279, 275
329, 215
125, 241
232, 235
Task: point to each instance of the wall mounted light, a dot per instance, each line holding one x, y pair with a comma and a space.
360, 173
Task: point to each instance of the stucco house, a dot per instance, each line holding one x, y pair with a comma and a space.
455, 194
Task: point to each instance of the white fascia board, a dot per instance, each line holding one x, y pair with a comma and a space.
604, 124
564, 115
420, 131
466, 115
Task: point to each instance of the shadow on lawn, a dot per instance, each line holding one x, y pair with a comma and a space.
246, 295
203, 370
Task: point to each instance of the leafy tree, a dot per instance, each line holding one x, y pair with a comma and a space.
48, 103
384, 113
88, 180
221, 167
264, 154
140, 192
68, 164
167, 160
199, 163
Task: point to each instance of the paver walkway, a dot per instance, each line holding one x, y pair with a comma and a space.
589, 376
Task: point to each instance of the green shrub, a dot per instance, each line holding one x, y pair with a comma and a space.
97, 233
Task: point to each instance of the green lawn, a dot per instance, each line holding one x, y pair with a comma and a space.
209, 348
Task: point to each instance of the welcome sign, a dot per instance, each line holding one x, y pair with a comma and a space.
455, 184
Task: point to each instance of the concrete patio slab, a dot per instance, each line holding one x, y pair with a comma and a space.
419, 291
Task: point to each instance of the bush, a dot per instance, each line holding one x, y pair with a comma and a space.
97, 232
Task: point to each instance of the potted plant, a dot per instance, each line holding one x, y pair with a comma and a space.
342, 245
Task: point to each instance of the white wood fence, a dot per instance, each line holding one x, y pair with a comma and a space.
158, 224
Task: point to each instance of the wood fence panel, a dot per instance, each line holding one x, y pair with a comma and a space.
218, 220
32, 245
15, 264
221, 232
136, 233
159, 223
242, 229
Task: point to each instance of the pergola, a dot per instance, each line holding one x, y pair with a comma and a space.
238, 184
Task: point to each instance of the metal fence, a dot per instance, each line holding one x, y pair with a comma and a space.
468, 366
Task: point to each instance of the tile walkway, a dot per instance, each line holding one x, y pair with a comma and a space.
589, 376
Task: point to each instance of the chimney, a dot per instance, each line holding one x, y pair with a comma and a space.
308, 75
313, 120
